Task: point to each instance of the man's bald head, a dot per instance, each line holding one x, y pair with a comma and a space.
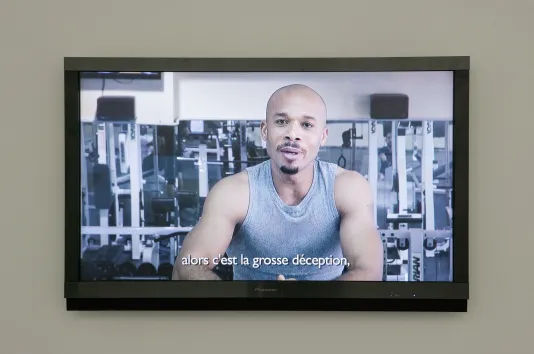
296, 119
297, 92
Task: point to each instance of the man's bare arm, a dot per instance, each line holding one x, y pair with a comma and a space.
224, 207
360, 240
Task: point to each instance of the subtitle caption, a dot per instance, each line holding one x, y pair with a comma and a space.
257, 262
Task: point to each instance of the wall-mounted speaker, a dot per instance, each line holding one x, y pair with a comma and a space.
389, 106
115, 108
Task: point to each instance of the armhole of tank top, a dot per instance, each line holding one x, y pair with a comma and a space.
333, 206
251, 189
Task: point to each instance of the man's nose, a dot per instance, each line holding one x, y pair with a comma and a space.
292, 132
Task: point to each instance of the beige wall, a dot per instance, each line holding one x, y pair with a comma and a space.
34, 37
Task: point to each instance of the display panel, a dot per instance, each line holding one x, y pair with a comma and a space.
308, 183
321, 180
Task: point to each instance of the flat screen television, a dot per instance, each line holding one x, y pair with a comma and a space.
267, 184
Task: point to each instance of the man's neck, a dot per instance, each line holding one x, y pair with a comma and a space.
293, 188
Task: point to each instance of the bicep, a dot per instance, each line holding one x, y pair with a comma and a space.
213, 233
360, 239
209, 238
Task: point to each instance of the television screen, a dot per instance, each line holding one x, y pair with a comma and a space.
263, 177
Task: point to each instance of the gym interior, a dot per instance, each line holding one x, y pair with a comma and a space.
152, 147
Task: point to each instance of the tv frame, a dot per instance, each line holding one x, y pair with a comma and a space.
268, 295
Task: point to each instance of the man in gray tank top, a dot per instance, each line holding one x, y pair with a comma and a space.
292, 217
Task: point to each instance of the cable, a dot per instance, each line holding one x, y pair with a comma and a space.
124, 83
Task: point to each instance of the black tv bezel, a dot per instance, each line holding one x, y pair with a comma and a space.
268, 295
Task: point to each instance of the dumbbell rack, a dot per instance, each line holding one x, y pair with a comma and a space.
147, 253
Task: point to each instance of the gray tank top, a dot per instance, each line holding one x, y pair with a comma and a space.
273, 229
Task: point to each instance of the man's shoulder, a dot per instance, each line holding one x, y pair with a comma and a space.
350, 188
233, 183
348, 178
230, 196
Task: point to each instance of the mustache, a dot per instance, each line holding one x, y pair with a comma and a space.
288, 145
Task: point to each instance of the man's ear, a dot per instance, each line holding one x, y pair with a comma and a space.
263, 130
324, 137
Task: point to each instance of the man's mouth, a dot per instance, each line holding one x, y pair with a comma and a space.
290, 151
290, 154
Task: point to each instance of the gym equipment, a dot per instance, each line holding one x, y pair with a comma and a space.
401, 217
165, 270
126, 269
199, 142
349, 136
188, 208
373, 164
97, 270
84, 183
150, 248
176, 240
103, 253
127, 230
90, 253
150, 251
443, 169
112, 192
107, 270
410, 255
106, 168
102, 186
146, 270
163, 208
342, 161
427, 175
413, 207
89, 271
120, 195
201, 138
437, 206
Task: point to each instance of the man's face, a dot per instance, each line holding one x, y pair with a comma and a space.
294, 129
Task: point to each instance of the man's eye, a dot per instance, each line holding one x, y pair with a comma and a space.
281, 121
308, 125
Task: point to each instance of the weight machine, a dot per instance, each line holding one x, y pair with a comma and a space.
403, 216
373, 164
112, 111
417, 244
407, 223
145, 240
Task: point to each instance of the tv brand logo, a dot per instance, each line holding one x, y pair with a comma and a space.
265, 289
